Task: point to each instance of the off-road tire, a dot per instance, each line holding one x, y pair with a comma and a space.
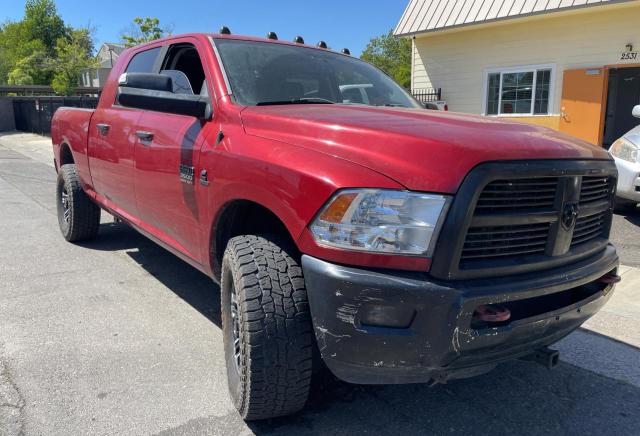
269, 373
82, 217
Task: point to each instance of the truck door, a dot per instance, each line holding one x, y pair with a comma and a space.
111, 144
166, 154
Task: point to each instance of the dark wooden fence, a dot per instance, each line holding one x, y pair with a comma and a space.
33, 114
32, 90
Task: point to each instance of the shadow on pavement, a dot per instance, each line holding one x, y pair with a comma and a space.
185, 281
516, 398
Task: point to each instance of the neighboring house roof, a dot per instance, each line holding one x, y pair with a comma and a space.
114, 47
433, 15
109, 53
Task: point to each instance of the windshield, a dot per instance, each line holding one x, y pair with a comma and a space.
261, 73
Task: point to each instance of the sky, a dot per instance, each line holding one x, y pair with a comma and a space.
341, 23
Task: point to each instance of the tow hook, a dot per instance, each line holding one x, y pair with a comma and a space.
491, 313
544, 356
610, 279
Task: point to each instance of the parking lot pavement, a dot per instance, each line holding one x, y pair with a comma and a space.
117, 336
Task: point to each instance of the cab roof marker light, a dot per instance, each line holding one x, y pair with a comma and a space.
322, 44
298, 40
224, 30
346, 51
272, 35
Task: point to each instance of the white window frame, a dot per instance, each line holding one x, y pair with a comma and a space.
521, 69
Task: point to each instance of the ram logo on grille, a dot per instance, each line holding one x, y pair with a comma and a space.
569, 215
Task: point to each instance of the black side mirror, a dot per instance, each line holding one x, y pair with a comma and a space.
153, 92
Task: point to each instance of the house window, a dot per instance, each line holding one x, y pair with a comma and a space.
518, 92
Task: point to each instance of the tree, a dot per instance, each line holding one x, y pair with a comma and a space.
392, 55
144, 30
43, 23
73, 54
26, 45
29, 70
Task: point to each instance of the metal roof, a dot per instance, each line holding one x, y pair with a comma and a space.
432, 15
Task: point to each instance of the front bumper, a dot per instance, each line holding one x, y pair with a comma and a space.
380, 327
628, 180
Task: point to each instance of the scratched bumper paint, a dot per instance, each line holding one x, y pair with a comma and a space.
432, 337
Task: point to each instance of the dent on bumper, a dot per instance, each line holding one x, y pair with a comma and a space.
399, 327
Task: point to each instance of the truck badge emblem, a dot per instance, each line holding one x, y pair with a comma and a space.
569, 215
186, 174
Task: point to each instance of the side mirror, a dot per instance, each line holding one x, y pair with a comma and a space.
153, 92
636, 111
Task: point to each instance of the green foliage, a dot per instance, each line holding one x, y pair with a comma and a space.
73, 54
41, 50
16, 45
43, 23
143, 30
392, 55
29, 70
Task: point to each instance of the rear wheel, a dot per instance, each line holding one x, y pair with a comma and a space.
78, 216
267, 331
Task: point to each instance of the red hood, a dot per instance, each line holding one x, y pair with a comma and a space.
422, 150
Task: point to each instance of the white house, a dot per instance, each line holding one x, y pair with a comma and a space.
567, 64
107, 57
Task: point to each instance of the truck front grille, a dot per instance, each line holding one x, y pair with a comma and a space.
517, 217
520, 204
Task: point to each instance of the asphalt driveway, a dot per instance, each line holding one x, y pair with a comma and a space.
117, 336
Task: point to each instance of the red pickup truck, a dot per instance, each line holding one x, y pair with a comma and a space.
392, 243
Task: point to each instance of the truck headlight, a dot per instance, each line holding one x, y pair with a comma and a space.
625, 150
381, 221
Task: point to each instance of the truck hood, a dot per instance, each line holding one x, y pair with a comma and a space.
420, 149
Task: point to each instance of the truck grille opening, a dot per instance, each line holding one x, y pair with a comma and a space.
595, 189
498, 241
519, 194
522, 220
589, 228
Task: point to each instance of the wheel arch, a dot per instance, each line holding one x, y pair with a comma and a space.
242, 217
66, 155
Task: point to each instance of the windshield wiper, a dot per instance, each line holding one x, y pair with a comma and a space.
309, 100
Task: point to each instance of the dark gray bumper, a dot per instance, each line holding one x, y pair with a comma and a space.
400, 327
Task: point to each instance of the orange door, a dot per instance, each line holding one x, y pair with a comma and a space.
583, 103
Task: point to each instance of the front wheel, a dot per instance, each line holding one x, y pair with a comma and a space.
267, 331
78, 216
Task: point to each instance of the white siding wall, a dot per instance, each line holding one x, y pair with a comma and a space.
457, 61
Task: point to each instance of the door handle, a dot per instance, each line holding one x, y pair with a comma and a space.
144, 136
103, 128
